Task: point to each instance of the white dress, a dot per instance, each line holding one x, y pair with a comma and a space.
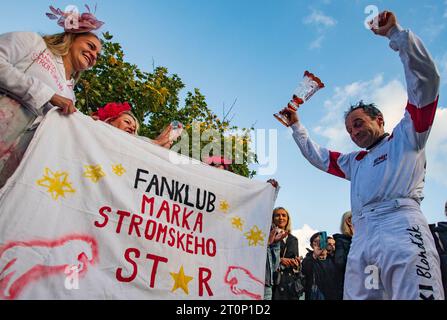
32, 75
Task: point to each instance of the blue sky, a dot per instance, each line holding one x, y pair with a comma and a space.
256, 52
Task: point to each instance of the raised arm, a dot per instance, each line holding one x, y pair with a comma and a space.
324, 159
421, 75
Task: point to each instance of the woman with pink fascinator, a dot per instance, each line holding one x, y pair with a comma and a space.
38, 73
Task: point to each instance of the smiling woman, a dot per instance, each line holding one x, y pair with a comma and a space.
79, 52
289, 262
39, 73
120, 116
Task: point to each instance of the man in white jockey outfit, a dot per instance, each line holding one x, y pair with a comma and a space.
392, 255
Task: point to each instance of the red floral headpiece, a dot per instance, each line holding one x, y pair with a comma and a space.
218, 160
112, 110
73, 22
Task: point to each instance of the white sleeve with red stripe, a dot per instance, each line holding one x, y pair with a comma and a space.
423, 81
328, 161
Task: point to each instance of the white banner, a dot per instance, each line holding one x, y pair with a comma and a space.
95, 213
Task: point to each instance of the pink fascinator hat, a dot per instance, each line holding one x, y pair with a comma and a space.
74, 22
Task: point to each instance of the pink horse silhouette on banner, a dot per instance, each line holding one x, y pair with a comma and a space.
243, 282
23, 263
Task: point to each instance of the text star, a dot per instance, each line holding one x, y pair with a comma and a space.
57, 183
255, 237
180, 280
237, 223
224, 206
118, 170
94, 173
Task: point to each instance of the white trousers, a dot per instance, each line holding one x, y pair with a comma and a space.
392, 255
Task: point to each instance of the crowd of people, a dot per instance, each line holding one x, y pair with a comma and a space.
319, 275
387, 177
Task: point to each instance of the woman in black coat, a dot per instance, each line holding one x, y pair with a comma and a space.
285, 276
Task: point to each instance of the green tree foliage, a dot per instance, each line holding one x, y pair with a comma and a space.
155, 100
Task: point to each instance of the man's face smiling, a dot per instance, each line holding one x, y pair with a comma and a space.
363, 130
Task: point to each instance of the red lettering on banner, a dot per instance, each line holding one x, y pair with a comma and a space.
211, 247
105, 216
171, 242
136, 254
176, 210
135, 224
180, 241
188, 240
150, 235
122, 214
156, 259
119, 271
185, 218
189, 243
199, 222
164, 208
200, 246
149, 201
171, 215
203, 281
162, 230
131, 255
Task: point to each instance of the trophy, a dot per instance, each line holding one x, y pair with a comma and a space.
302, 93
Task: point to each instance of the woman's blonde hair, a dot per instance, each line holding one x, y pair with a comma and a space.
289, 221
137, 123
60, 43
345, 228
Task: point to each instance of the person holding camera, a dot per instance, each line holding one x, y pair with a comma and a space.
331, 245
273, 259
286, 282
322, 278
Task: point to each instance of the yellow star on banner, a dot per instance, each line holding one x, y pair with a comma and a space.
94, 173
237, 223
224, 206
56, 183
180, 280
255, 237
118, 169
